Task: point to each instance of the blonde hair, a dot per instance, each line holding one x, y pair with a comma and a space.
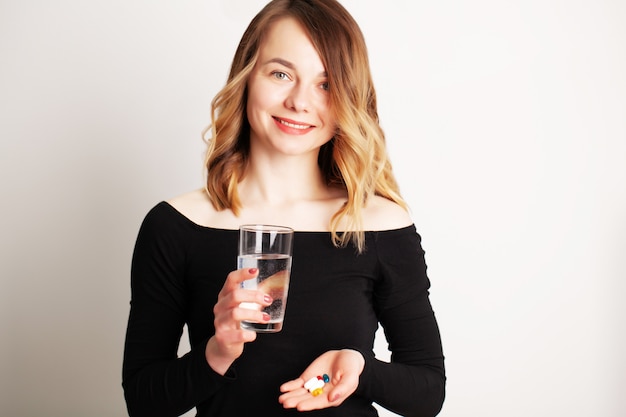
355, 158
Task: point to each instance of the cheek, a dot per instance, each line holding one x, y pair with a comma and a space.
260, 97
330, 121
324, 110
252, 99
256, 105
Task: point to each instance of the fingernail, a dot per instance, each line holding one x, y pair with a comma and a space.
252, 271
267, 299
266, 317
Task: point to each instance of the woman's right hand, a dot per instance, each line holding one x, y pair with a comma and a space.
227, 343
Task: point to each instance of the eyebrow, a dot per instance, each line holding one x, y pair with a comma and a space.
289, 65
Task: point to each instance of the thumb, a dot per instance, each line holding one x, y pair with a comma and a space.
335, 396
339, 393
341, 389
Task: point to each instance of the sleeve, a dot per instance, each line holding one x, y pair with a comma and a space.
413, 383
155, 381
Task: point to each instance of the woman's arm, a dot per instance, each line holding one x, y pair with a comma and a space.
156, 382
413, 384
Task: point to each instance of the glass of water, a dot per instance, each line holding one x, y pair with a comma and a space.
267, 248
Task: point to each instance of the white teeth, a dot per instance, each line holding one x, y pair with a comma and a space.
293, 125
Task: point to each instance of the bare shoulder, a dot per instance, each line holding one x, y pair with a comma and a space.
197, 207
189, 201
383, 214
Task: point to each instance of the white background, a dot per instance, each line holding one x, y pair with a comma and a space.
506, 123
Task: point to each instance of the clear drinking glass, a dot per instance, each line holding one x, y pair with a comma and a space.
267, 248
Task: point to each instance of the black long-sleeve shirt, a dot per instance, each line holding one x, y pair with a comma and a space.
337, 298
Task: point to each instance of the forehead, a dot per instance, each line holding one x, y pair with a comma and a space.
287, 39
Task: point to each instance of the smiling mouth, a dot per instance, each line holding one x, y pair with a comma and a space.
292, 125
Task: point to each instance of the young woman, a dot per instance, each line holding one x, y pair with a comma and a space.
294, 141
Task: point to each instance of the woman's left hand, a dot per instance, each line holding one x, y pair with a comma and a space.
344, 368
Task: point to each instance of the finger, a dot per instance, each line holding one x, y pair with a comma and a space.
250, 314
231, 319
235, 278
292, 385
253, 299
341, 388
233, 294
336, 396
302, 399
258, 298
297, 396
333, 394
291, 398
233, 337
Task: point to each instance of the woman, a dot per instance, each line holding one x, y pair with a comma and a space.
295, 141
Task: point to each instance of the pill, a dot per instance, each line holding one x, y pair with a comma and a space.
317, 383
312, 383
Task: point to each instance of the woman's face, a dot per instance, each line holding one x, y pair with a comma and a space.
288, 101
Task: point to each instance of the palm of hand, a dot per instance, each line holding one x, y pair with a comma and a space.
343, 366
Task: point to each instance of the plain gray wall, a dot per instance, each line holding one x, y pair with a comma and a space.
506, 124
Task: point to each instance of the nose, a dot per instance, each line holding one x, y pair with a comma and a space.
298, 98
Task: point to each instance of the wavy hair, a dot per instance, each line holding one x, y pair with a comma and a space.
355, 158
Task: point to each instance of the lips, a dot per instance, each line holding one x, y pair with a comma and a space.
292, 124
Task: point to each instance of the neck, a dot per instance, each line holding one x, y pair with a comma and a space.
282, 180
